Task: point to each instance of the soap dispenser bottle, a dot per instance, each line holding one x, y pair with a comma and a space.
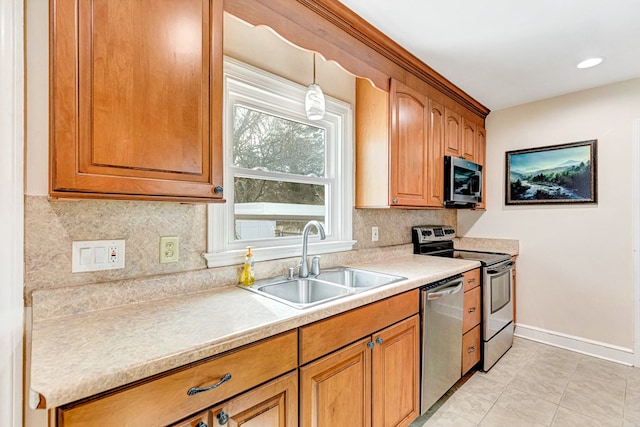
246, 276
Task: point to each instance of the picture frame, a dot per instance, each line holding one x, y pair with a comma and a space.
555, 174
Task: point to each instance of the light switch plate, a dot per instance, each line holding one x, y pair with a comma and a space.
96, 255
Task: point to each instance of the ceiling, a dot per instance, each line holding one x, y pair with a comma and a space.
509, 52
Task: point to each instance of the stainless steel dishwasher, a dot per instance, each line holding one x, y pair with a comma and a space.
441, 308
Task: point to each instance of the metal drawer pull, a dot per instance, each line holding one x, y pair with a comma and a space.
202, 424
223, 418
472, 280
471, 350
471, 310
196, 390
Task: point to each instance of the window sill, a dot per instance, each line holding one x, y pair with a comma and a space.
236, 257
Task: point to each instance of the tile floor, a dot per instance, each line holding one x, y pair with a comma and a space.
540, 385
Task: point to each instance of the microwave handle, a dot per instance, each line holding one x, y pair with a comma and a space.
479, 175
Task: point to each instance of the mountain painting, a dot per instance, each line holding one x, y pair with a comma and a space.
555, 174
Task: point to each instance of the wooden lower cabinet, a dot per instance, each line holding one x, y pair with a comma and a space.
336, 390
513, 278
372, 382
273, 405
166, 398
200, 420
360, 368
396, 374
470, 349
471, 320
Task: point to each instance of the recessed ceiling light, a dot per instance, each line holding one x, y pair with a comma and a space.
591, 62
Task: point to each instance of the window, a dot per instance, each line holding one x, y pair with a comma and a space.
281, 171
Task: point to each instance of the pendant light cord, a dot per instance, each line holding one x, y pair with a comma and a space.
314, 68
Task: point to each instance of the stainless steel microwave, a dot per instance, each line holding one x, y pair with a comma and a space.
462, 183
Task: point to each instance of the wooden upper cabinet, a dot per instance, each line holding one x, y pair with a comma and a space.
436, 149
409, 147
469, 145
453, 133
136, 99
481, 149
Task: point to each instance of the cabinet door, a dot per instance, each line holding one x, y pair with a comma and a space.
436, 149
136, 99
396, 374
273, 405
200, 420
469, 141
336, 389
470, 349
409, 157
453, 133
481, 152
471, 311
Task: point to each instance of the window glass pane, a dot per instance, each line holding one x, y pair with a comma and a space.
266, 142
266, 208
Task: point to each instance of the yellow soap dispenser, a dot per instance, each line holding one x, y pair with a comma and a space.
246, 276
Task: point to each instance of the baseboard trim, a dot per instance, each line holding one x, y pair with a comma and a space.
581, 345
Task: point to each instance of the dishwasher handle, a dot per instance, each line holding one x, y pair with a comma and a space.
452, 288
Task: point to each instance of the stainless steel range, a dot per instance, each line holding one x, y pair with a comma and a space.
497, 287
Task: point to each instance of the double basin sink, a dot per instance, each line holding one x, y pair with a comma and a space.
329, 285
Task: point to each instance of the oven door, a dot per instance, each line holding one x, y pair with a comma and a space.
498, 298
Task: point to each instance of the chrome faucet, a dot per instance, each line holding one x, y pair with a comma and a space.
304, 266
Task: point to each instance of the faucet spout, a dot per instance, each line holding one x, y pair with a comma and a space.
304, 266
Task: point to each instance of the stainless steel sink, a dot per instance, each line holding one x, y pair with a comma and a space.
357, 279
300, 293
329, 285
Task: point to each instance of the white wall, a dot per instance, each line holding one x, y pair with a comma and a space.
575, 268
11, 212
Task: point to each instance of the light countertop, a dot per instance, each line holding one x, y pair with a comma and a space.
77, 356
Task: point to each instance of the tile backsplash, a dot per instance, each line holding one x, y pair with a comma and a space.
52, 224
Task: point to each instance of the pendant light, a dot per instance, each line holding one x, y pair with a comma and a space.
314, 100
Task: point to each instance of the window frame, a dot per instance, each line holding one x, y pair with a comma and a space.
261, 90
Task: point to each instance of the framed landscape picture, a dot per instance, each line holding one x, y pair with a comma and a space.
564, 173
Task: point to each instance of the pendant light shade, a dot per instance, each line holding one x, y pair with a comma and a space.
314, 99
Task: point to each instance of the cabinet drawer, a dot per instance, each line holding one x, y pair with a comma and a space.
471, 311
330, 334
471, 279
470, 349
164, 400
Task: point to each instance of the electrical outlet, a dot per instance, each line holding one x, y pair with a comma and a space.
168, 249
374, 234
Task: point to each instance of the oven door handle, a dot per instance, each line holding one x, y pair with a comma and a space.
453, 288
502, 269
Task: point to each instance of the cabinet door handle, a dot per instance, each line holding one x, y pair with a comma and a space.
471, 349
472, 280
379, 340
202, 424
395, 200
222, 417
471, 310
218, 190
196, 390
370, 345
